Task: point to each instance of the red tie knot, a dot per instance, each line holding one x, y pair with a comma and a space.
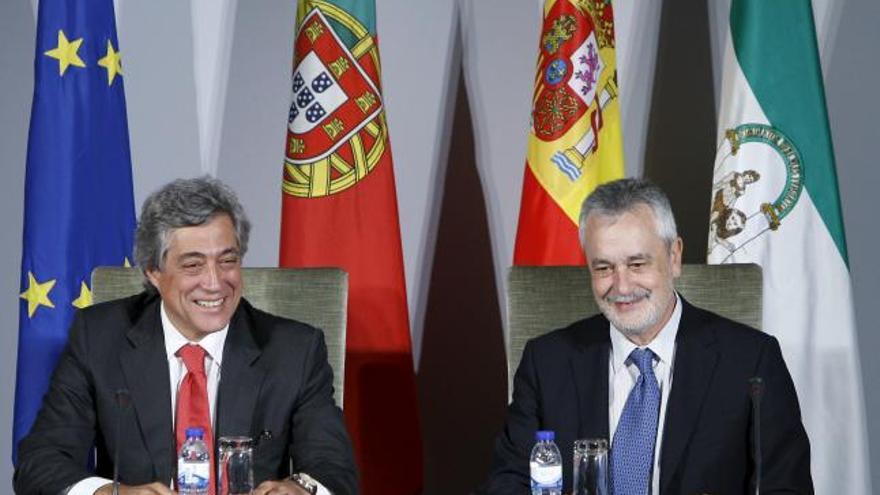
193, 356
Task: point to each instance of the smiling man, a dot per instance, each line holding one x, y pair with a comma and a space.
188, 351
665, 382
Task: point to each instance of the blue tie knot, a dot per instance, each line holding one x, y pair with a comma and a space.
644, 360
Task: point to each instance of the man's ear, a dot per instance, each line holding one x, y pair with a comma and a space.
675, 252
154, 276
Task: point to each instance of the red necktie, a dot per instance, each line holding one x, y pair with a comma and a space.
192, 401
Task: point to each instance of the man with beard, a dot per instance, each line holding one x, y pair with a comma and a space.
664, 381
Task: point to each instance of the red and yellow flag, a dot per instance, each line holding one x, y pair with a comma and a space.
575, 140
340, 209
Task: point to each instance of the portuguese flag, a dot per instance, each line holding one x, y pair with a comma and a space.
575, 141
775, 202
340, 209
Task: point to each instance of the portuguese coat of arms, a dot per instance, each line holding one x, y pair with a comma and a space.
336, 132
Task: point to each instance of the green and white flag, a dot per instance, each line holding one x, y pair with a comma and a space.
775, 203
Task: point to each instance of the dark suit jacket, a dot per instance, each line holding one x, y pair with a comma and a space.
562, 385
275, 377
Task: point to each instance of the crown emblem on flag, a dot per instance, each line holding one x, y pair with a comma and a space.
574, 81
336, 132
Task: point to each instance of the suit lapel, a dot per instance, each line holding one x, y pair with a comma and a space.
145, 367
589, 368
240, 378
696, 356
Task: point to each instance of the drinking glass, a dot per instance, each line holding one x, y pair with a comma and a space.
236, 469
591, 467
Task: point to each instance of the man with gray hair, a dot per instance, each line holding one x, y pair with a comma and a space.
664, 381
165, 348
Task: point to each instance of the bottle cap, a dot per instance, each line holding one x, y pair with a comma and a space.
195, 431
545, 436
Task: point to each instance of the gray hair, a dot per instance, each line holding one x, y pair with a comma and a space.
621, 196
184, 203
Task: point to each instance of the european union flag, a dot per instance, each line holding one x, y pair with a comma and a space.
79, 211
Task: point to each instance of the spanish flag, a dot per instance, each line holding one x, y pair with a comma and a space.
340, 209
575, 140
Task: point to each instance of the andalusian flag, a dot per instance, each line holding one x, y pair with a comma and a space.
575, 141
775, 203
78, 206
340, 209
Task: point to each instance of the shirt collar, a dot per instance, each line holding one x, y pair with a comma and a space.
663, 345
212, 343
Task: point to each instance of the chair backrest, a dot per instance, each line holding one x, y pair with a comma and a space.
317, 296
541, 299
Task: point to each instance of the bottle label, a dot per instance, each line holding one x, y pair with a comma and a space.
193, 475
545, 476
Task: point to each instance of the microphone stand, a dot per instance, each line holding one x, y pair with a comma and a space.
756, 390
122, 400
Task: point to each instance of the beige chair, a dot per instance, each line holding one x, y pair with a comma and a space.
316, 296
540, 299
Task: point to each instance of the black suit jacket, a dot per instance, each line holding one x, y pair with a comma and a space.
562, 385
275, 377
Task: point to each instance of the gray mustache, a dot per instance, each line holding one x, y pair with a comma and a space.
637, 295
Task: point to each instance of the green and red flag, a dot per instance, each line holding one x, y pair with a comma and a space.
340, 209
575, 139
775, 202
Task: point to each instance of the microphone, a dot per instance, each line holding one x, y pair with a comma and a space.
756, 390
123, 398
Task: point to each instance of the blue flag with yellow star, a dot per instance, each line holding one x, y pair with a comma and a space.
79, 208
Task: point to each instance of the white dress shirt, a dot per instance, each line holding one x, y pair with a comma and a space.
213, 345
622, 376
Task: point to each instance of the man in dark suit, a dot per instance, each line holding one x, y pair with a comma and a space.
665, 381
276, 383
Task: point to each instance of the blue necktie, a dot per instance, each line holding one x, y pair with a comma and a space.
632, 452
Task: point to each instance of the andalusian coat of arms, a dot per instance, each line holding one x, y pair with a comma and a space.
750, 197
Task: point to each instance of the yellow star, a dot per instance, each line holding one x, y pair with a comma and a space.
85, 296
65, 53
37, 294
112, 62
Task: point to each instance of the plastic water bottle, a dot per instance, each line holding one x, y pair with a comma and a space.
193, 464
545, 465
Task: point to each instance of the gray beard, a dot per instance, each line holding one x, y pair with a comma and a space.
652, 314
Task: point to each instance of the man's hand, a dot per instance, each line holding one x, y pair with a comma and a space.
155, 488
285, 487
